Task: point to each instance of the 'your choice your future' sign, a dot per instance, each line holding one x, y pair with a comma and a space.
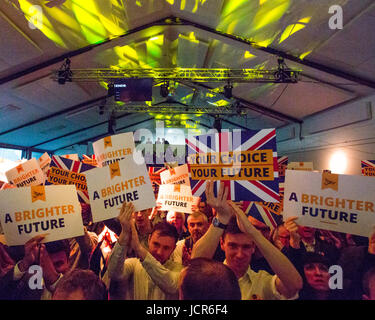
342, 203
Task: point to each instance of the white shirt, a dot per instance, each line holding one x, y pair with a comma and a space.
146, 280
259, 286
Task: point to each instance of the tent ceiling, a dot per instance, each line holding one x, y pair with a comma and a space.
35, 111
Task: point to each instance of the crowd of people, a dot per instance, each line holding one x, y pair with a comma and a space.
215, 253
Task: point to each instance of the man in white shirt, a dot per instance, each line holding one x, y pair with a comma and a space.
238, 242
152, 275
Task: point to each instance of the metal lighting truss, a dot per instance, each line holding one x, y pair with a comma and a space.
279, 75
178, 109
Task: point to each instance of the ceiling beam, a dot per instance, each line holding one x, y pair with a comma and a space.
104, 134
59, 113
306, 62
79, 130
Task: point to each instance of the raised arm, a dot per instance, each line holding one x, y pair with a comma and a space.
206, 246
288, 281
118, 255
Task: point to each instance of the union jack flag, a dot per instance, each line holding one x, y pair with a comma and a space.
91, 160
283, 163
262, 214
73, 166
368, 167
154, 173
247, 190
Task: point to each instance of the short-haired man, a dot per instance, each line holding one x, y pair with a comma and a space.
239, 245
197, 224
206, 279
151, 276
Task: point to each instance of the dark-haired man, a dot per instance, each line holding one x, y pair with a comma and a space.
206, 279
152, 275
238, 242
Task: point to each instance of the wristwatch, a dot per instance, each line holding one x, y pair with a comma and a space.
216, 222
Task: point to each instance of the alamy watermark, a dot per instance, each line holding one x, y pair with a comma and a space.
336, 21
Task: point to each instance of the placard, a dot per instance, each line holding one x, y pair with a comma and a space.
65, 171
177, 197
44, 162
72, 156
177, 175
304, 166
26, 174
113, 148
30, 211
246, 161
311, 196
120, 181
368, 168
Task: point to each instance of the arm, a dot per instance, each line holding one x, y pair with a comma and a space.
288, 281
206, 246
166, 279
118, 255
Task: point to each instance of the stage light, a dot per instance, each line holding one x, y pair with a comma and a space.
228, 91
217, 124
338, 162
164, 91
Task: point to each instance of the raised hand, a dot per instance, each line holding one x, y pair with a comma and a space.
31, 252
219, 203
125, 218
371, 241
292, 227
50, 275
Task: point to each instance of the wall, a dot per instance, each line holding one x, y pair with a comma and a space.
349, 128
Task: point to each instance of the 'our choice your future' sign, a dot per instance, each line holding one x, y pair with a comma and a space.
110, 186
30, 211
343, 203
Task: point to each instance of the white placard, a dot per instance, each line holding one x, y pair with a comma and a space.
44, 162
177, 198
305, 166
26, 174
107, 194
72, 156
58, 216
113, 148
177, 175
350, 209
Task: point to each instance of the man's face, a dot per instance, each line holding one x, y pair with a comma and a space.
141, 218
60, 261
197, 227
161, 247
306, 232
176, 219
238, 250
317, 276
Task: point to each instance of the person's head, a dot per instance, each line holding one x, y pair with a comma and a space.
368, 284
59, 252
206, 279
142, 218
197, 223
316, 271
177, 219
162, 241
306, 233
238, 248
80, 285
